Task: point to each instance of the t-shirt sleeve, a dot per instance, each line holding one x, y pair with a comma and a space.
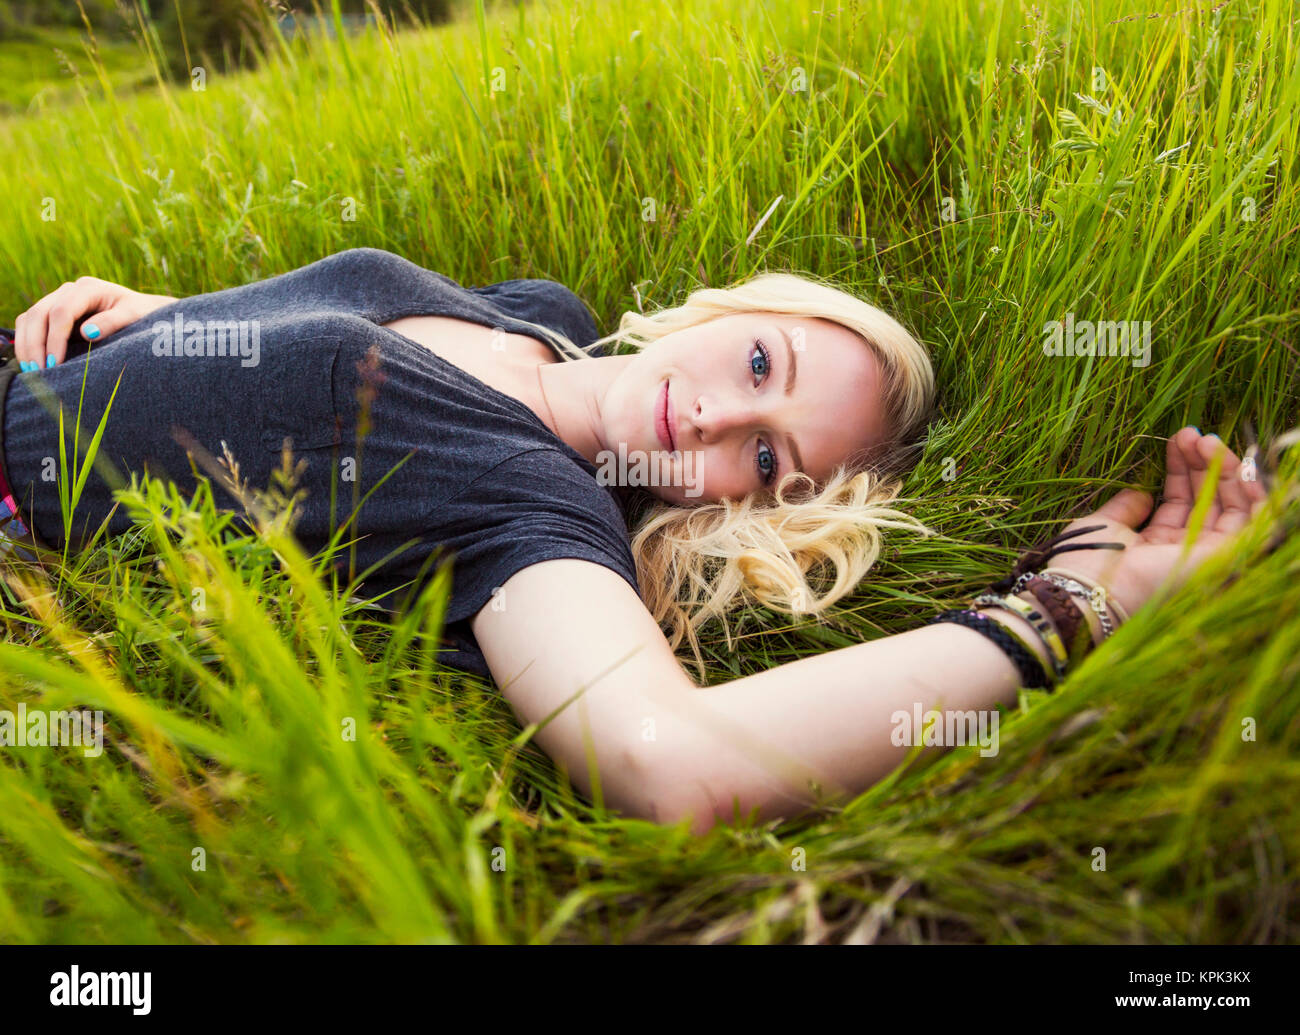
536, 506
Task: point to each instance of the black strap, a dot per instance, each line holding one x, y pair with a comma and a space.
1027, 664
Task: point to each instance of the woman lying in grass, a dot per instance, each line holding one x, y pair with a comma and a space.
765, 426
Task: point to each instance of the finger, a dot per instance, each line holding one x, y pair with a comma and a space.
29, 340
19, 337
1234, 503
100, 325
1178, 499
1251, 481
62, 315
1128, 506
21, 333
1198, 464
87, 295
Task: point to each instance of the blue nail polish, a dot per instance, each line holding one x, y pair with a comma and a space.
90, 331
25, 365
50, 361
1196, 429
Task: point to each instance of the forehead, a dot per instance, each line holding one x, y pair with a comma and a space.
826, 334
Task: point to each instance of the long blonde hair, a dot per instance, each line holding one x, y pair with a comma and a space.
699, 562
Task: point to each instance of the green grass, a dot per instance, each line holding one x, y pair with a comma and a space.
227, 678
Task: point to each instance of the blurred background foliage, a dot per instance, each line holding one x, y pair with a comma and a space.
41, 41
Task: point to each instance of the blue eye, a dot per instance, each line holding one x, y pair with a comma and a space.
765, 461
759, 361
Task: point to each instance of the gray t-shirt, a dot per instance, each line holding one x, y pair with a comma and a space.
477, 473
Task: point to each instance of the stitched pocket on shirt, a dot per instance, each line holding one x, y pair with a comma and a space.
297, 394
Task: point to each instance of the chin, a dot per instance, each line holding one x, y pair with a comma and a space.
676, 495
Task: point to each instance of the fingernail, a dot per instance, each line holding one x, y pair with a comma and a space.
1195, 428
25, 365
90, 331
50, 361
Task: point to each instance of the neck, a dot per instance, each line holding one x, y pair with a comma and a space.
573, 392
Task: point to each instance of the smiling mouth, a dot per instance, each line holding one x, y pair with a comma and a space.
663, 419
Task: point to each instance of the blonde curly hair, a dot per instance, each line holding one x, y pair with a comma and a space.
700, 562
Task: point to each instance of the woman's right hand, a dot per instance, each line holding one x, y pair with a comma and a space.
41, 333
1132, 575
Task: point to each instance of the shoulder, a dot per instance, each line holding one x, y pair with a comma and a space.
555, 483
362, 261
547, 302
533, 299
373, 267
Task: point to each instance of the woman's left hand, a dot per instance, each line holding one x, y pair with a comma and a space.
1154, 554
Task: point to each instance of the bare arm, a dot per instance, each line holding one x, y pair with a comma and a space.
665, 749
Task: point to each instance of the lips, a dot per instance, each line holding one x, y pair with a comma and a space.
672, 418
664, 419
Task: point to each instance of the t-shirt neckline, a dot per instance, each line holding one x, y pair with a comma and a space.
510, 400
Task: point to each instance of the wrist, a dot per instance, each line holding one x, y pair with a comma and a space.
1023, 630
1101, 599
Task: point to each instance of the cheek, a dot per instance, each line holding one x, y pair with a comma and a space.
724, 473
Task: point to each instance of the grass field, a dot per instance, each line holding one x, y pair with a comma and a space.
979, 169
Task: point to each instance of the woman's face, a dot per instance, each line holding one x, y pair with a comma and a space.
748, 397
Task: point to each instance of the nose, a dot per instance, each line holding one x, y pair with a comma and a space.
716, 415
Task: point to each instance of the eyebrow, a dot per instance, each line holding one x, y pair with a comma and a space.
791, 372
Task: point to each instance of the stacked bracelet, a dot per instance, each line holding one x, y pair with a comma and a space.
1070, 619
1099, 598
1046, 632
1094, 597
1026, 662
1050, 608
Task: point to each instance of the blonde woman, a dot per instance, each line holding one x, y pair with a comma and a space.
598, 507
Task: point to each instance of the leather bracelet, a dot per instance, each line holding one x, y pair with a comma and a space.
1038, 556
1031, 669
1065, 614
1017, 651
